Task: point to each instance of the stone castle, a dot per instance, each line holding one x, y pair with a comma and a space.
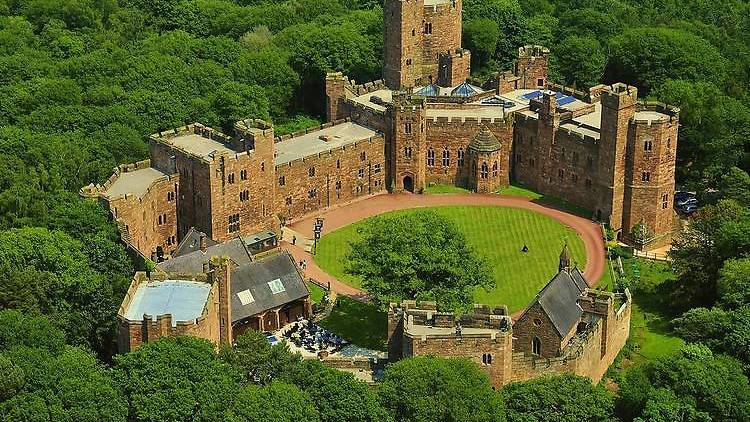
602, 150
567, 328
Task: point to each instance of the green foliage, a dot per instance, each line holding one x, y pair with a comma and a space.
734, 283
275, 402
176, 379
508, 16
417, 256
648, 57
258, 361
480, 36
49, 272
718, 233
700, 383
580, 61
337, 394
435, 389
555, 398
42, 379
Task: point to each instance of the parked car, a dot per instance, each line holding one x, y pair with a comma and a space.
688, 209
686, 201
682, 195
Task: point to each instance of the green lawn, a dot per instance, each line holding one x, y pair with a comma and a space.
436, 189
316, 292
359, 323
649, 322
499, 234
517, 189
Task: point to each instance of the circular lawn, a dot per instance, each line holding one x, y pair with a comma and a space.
498, 234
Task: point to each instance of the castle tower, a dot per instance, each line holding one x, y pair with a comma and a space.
618, 108
335, 86
220, 274
532, 66
549, 121
564, 258
649, 175
403, 42
487, 173
406, 144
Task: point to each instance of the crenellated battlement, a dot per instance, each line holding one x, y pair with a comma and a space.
662, 113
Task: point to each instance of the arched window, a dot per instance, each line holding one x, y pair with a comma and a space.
494, 169
446, 157
536, 346
430, 157
407, 152
485, 170
647, 145
460, 157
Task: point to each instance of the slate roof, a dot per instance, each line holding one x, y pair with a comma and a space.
192, 242
559, 299
192, 262
255, 278
485, 141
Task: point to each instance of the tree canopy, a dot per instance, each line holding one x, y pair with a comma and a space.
417, 256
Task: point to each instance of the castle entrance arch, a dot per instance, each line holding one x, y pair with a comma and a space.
408, 184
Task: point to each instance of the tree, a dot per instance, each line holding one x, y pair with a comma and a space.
648, 57
711, 384
734, 283
258, 361
77, 298
436, 389
508, 16
176, 379
556, 398
337, 394
43, 379
274, 402
580, 61
480, 36
665, 406
419, 255
717, 233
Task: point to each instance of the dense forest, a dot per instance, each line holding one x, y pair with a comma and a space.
84, 81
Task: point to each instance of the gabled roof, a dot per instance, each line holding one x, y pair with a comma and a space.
192, 262
559, 299
192, 242
253, 285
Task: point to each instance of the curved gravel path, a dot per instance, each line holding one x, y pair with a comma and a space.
590, 232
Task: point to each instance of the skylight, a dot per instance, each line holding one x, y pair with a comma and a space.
276, 286
245, 297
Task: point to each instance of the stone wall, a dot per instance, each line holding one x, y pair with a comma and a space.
150, 222
531, 66
443, 21
133, 333
339, 176
454, 135
492, 354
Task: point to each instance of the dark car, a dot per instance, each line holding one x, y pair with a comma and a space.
688, 209
686, 201
682, 195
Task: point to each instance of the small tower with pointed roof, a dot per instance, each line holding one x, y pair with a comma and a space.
564, 258
487, 172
